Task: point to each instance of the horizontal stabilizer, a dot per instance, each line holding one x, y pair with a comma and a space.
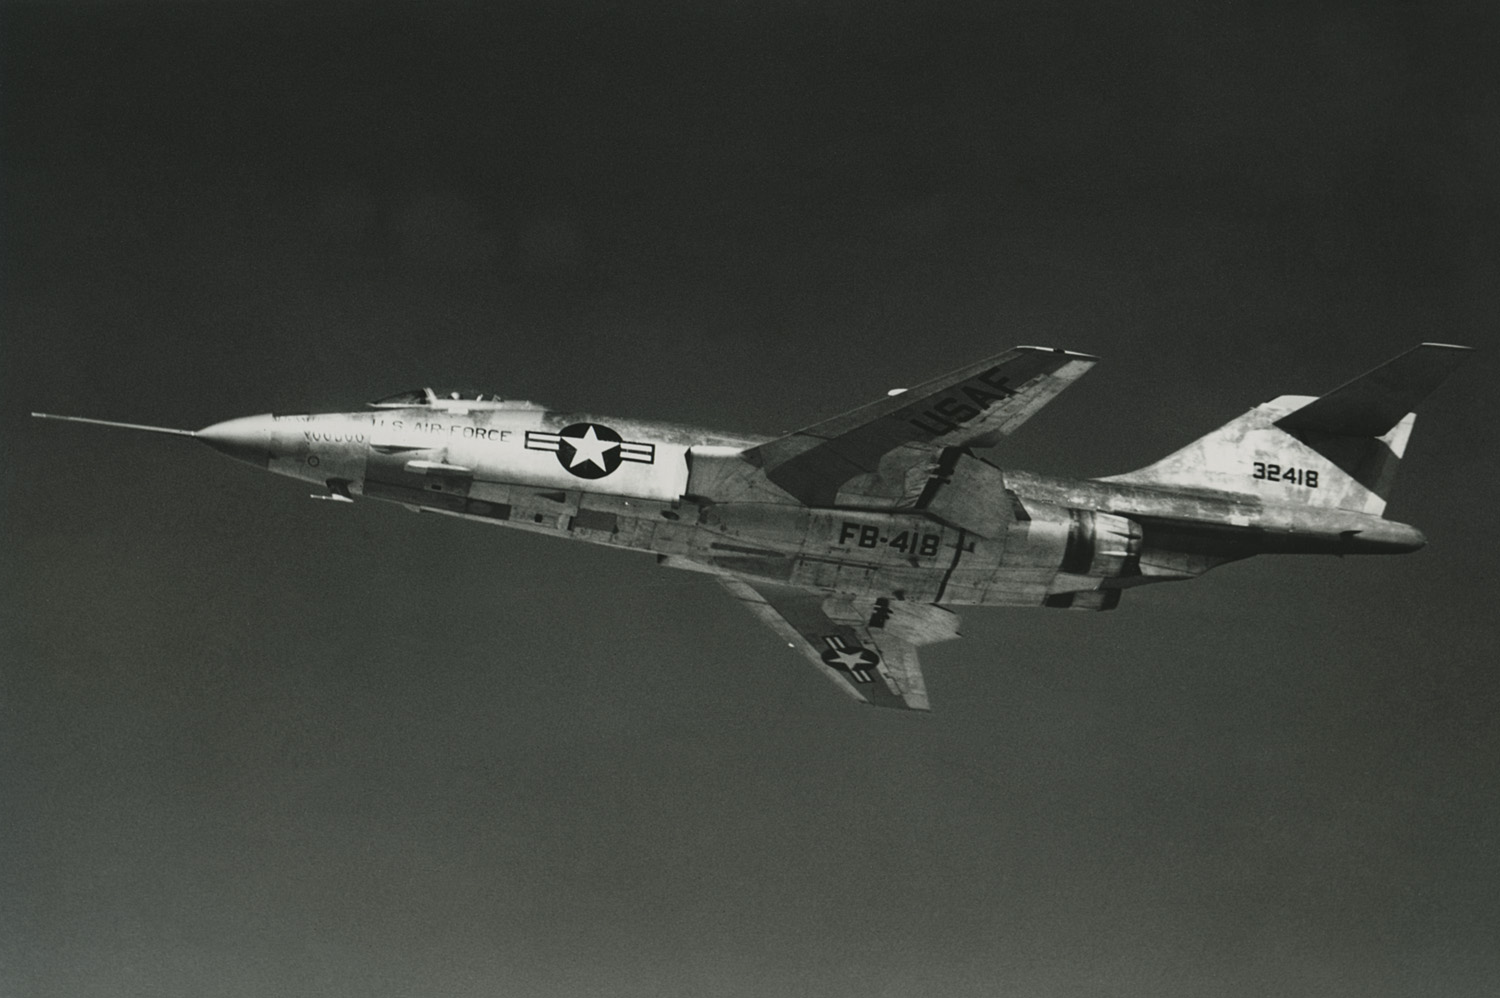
1373, 403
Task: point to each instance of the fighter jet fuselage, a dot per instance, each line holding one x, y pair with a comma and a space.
850, 537
673, 491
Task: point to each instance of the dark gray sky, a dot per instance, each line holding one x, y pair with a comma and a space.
259, 745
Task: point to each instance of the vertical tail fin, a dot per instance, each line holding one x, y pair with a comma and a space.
1338, 451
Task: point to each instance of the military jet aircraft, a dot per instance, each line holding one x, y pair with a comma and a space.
853, 536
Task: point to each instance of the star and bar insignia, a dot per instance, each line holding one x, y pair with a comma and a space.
855, 659
590, 450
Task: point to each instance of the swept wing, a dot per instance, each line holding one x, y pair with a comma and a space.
889, 438
868, 647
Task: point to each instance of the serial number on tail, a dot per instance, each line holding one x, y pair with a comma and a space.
1305, 477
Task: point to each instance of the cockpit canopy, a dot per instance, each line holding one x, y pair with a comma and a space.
448, 399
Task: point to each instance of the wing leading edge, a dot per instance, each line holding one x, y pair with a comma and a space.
868, 647
973, 406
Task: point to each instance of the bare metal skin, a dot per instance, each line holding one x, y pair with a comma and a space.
850, 537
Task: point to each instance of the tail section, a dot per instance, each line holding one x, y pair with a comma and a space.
1339, 451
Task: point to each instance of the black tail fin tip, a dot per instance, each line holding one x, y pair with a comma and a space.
1374, 402
1339, 451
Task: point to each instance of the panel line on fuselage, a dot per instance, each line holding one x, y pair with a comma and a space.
958, 553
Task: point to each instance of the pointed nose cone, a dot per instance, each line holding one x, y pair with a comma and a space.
249, 439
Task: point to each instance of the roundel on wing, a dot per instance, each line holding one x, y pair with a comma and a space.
589, 450
851, 659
